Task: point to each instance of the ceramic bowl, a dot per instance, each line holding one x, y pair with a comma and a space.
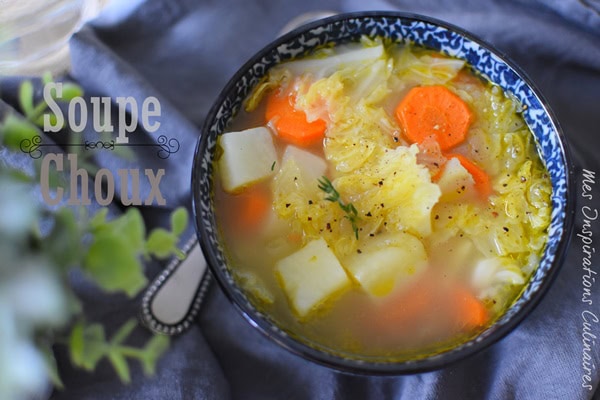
402, 28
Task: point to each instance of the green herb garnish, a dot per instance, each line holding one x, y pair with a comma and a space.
334, 196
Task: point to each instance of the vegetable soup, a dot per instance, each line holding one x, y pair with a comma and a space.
381, 201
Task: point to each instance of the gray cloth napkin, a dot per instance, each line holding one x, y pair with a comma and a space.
183, 52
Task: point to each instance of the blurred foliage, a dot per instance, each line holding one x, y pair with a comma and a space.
38, 307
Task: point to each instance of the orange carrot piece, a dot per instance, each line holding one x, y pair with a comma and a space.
428, 299
294, 237
254, 203
482, 180
291, 124
428, 110
437, 175
471, 312
401, 311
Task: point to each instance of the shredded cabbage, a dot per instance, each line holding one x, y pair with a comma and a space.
423, 68
501, 138
351, 57
392, 192
496, 280
275, 78
299, 201
381, 175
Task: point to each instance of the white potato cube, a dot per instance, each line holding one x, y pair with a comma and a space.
248, 157
312, 166
311, 275
386, 261
455, 181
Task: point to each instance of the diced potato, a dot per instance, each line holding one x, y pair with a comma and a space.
311, 275
248, 157
386, 261
296, 189
455, 181
312, 166
452, 254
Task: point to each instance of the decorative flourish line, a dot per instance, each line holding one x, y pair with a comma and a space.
166, 146
32, 146
110, 145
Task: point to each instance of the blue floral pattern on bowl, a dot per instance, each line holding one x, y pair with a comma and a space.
401, 28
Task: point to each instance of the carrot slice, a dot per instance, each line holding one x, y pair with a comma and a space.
291, 124
434, 110
253, 205
429, 299
482, 180
438, 174
471, 312
295, 238
401, 311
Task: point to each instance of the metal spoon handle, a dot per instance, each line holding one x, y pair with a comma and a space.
173, 299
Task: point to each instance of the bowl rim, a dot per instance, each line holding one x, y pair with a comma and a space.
363, 367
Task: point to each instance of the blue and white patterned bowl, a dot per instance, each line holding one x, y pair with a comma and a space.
399, 27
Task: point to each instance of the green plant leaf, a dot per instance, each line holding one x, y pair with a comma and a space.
47, 77
87, 345
119, 363
51, 368
113, 265
161, 243
98, 219
129, 227
14, 130
70, 91
108, 252
179, 220
38, 118
153, 350
123, 332
76, 343
26, 97
63, 243
95, 345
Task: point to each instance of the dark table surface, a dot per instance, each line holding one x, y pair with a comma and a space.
184, 51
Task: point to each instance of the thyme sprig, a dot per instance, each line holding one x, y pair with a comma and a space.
334, 196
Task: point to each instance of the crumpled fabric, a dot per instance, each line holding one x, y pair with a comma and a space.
183, 52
